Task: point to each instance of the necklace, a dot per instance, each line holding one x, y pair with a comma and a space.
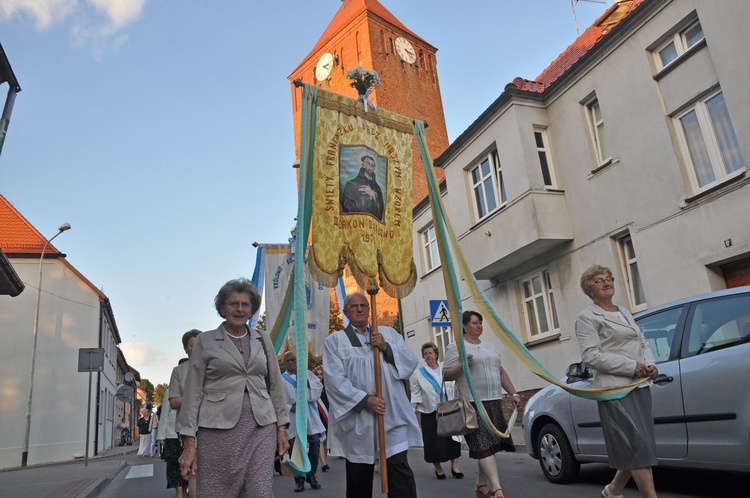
237, 336
237, 340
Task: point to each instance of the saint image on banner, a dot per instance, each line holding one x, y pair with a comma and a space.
361, 213
365, 171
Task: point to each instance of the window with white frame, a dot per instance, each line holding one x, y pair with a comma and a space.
488, 185
678, 44
632, 274
542, 150
430, 254
708, 138
539, 304
443, 337
598, 135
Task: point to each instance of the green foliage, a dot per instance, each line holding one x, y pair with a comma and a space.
147, 386
261, 322
159, 393
397, 324
335, 322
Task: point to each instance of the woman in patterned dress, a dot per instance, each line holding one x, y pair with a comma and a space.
234, 397
490, 378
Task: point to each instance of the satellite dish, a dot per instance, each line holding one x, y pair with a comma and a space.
129, 377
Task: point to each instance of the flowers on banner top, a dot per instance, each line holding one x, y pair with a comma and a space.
363, 80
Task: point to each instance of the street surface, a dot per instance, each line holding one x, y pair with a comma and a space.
520, 476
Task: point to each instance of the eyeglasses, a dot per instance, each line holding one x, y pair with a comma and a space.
601, 281
363, 306
240, 304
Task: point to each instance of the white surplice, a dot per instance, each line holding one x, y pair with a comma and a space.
349, 377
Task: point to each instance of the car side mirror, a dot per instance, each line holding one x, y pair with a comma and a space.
578, 371
575, 370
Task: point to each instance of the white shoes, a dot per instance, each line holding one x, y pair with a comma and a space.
606, 493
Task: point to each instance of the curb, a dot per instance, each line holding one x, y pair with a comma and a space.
101, 482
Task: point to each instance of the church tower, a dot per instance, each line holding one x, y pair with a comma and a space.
364, 33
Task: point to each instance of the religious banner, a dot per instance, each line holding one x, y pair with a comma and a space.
278, 263
361, 207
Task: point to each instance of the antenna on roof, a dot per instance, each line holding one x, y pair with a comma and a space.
573, 6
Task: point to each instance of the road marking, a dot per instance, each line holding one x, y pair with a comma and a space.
141, 471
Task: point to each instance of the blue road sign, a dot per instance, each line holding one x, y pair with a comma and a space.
440, 313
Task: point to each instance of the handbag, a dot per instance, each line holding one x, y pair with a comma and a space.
456, 417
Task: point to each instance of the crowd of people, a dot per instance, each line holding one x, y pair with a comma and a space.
232, 391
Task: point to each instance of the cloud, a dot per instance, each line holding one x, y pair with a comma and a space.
44, 12
94, 23
119, 12
140, 355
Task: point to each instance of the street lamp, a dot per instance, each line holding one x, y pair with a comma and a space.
25, 455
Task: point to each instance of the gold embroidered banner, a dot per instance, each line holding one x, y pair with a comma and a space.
361, 203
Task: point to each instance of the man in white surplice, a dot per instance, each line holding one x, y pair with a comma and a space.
353, 407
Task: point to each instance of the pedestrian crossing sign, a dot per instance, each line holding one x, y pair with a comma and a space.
440, 313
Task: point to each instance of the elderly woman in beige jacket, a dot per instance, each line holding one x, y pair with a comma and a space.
613, 345
233, 397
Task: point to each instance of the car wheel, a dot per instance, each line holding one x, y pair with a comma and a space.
556, 455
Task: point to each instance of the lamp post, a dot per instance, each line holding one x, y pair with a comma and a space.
25, 454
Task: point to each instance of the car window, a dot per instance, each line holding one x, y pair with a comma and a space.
658, 328
718, 323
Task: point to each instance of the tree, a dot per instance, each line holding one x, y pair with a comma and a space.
397, 324
261, 322
335, 322
147, 386
159, 393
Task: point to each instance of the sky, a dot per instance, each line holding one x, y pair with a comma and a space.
162, 132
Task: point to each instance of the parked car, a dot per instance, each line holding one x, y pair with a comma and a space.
701, 399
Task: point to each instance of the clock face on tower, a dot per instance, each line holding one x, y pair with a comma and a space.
324, 66
405, 50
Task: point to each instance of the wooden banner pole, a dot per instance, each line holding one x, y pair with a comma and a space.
379, 394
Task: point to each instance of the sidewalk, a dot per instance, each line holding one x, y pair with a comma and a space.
71, 479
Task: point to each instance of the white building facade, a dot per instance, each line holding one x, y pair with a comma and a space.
73, 314
630, 150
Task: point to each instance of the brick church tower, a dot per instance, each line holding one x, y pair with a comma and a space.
364, 33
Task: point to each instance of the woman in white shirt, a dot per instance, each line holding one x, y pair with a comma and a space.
489, 378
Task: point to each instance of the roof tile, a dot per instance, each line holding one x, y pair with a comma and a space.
580, 47
17, 235
350, 10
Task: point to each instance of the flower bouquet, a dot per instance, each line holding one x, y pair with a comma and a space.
363, 80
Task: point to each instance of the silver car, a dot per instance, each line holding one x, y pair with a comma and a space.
701, 398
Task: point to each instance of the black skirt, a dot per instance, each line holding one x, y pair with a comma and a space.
172, 452
437, 448
483, 442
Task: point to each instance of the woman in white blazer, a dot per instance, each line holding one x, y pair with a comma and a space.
612, 344
426, 393
234, 397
